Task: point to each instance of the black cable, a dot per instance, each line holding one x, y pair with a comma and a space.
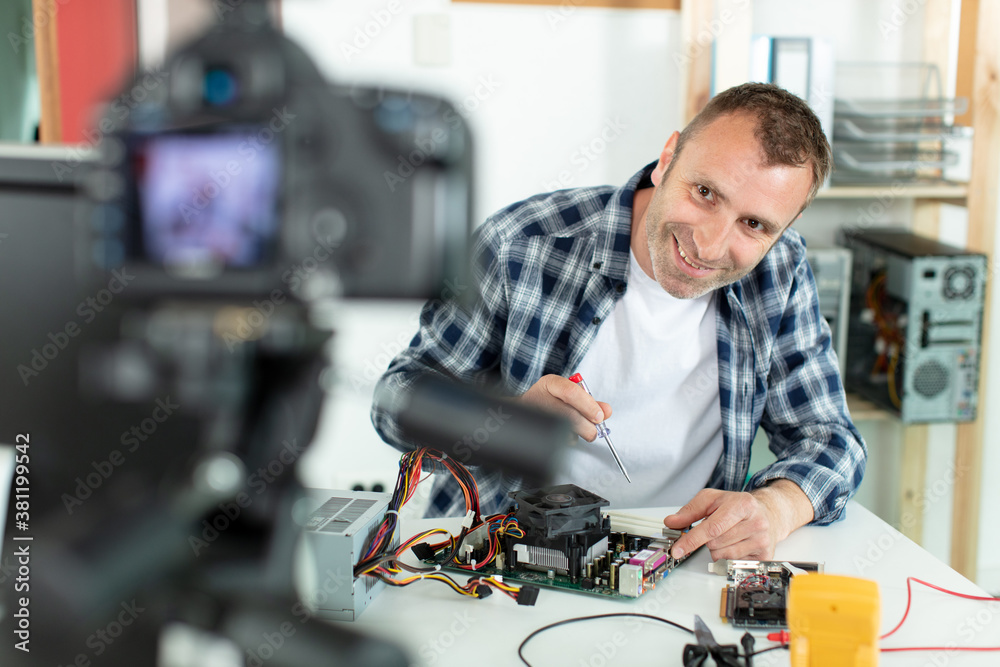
747, 641
773, 648
520, 648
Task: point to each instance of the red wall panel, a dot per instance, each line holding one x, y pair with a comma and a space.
97, 46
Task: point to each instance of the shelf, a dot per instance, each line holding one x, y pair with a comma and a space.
864, 410
893, 190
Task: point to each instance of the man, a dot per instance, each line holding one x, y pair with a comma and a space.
687, 303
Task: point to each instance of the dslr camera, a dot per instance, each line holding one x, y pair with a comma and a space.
231, 205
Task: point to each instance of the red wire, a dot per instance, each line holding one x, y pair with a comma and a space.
909, 599
942, 648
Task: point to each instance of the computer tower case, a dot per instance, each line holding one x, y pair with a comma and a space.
914, 335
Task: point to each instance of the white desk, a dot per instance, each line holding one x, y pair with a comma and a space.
439, 627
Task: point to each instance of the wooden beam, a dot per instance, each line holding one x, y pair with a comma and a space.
983, 204
47, 63
967, 56
912, 481
614, 4
913, 468
695, 59
926, 222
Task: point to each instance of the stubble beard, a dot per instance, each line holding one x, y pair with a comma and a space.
676, 283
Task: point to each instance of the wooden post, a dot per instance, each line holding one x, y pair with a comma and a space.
47, 62
696, 56
926, 222
913, 468
967, 41
983, 204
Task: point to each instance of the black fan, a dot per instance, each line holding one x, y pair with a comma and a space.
558, 510
563, 530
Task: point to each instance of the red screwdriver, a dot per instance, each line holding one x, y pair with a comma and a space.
602, 429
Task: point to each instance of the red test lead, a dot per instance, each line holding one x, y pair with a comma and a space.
602, 429
782, 637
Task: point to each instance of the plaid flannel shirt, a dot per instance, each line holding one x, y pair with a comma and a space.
549, 271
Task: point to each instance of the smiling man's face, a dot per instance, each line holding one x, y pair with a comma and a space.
719, 210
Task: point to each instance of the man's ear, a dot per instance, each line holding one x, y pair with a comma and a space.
666, 156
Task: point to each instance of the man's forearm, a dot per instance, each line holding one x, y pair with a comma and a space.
787, 504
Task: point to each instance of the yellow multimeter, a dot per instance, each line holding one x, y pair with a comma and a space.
833, 621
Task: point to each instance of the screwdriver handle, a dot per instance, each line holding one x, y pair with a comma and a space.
602, 429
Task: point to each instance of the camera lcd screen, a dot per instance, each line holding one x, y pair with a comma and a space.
207, 201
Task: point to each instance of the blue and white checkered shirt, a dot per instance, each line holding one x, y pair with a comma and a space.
550, 269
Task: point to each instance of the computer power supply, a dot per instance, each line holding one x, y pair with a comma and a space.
914, 337
338, 526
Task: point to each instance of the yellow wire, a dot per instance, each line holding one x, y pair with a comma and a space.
410, 580
893, 395
504, 586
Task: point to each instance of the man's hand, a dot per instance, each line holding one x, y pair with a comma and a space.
565, 397
741, 525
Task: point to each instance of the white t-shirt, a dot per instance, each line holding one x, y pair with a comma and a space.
655, 361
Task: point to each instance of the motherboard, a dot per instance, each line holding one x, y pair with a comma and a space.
565, 541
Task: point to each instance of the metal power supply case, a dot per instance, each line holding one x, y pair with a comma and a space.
339, 525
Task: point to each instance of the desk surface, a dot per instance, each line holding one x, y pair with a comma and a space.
438, 627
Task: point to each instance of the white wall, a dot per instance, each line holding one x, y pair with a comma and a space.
589, 92
556, 97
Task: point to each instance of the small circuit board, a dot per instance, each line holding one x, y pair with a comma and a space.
756, 596
629, 567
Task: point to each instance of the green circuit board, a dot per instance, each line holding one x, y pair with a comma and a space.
604, 580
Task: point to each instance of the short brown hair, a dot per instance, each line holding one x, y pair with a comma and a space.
788, 131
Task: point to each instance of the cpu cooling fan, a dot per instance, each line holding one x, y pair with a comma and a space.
563, 529
558, 510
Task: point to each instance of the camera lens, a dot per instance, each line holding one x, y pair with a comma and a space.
221, 87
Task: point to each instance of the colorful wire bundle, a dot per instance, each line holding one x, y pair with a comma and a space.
497, 525
410, 468
381, 560
889, 333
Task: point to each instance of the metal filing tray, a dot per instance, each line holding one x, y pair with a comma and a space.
891, 124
